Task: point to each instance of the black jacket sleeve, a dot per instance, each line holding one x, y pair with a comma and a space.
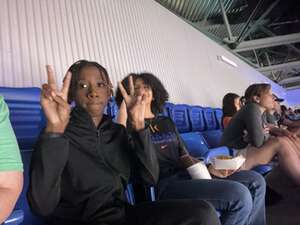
145, 156
48, 162
182, 147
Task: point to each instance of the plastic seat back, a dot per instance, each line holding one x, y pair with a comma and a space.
219, 115
196, 118
213, 137
167, 109
112, 108
210, 119
195, 144
26, 114
179, 115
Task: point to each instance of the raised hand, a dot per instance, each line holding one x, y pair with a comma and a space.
54, 102
122, 114
135, 106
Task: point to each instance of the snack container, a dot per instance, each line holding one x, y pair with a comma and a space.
225, 163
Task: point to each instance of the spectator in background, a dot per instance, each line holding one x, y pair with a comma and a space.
11, 166
231, 104
280, 119
243, 101
248, 134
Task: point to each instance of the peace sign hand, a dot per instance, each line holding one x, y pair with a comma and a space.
55, 103
135, 106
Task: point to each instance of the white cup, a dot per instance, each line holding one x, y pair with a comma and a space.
199, 171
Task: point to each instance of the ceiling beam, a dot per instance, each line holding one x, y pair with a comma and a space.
278, 67
268, 42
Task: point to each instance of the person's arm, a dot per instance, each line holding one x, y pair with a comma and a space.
254, 126
140, 142
146, 162
48, 162
290, 123
11, 167
11, 183
51, 151
122, 115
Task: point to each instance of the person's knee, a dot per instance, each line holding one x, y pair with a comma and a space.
256, 183
206, 212
241, 198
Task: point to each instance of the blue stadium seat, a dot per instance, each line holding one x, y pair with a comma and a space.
195, 143
210, 119
112, 108
26, 113
213, 137
179, 115
27, 120
196, 118
263, 169
15, 218
129, 192
212, 134
219, 115
167, 109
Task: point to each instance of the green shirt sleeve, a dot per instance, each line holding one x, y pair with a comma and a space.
10, 158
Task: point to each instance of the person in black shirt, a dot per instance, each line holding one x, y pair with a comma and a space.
83, 161
239, 198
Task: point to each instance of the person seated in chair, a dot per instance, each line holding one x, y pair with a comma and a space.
258, 142
11, 166
83, 161
230, 105
239, 197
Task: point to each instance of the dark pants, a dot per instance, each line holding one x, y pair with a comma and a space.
240, 198
165, 212
172, 212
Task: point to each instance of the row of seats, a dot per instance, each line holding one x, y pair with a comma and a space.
200, 128
192, 122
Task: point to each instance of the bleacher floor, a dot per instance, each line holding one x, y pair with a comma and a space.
287, 210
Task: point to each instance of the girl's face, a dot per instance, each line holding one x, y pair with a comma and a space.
92, 91
144, 90
237, 103
266, 100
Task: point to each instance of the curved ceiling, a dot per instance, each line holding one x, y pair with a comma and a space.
264, 33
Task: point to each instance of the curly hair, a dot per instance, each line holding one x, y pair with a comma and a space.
160, 94
76, 68
228, 106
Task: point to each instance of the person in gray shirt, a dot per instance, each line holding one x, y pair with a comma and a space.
249, 134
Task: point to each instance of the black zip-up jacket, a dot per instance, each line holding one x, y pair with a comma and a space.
80, 177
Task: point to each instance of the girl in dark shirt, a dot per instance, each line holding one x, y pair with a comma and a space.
239, 197
258, 142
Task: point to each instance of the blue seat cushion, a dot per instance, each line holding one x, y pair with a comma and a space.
213, 137
195, 144
179, 115
196, 118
